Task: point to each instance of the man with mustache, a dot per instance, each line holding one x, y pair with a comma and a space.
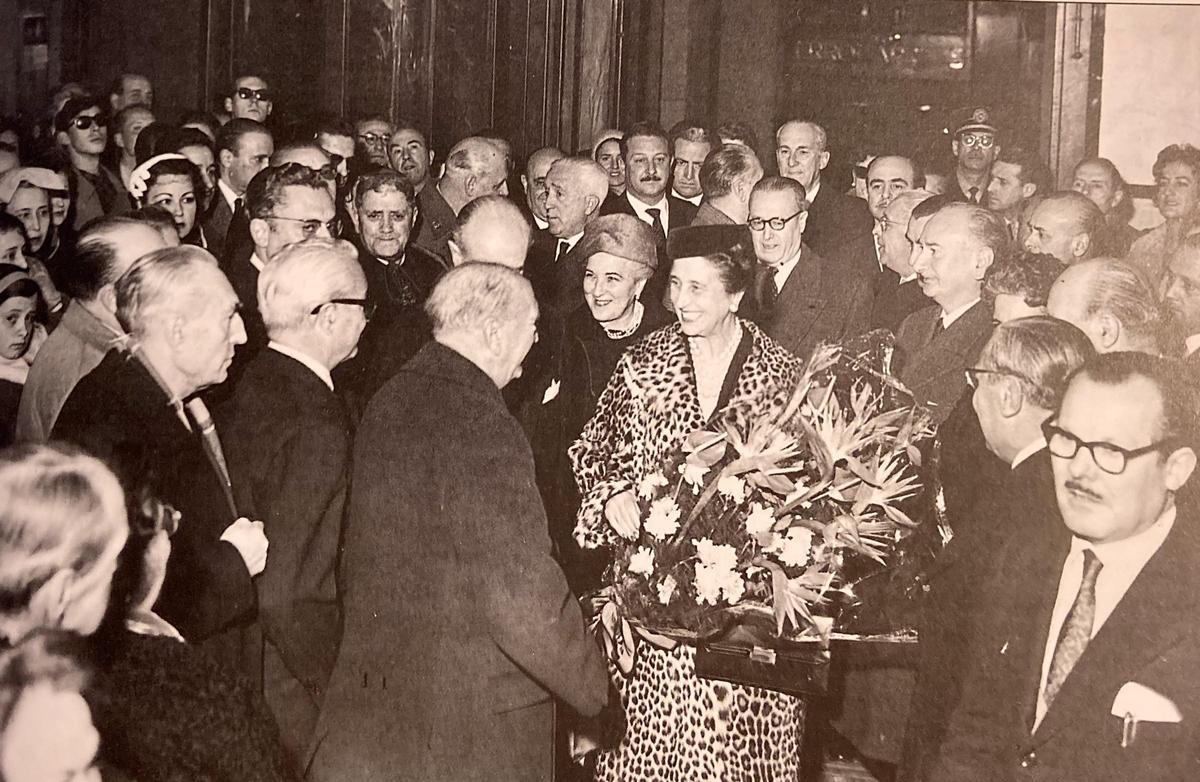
140, 411
1087, 651
975, 147
648, 164
1018, 382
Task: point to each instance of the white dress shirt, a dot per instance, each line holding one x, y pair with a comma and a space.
571, 242
955, 314
694, 200
784, 270
639, 208
227, 193
538, 222
1191, 344
256, 262
1122, 561
318, 369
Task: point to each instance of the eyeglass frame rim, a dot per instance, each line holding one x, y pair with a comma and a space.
367, 305
767, 221
101, 119
335, 219
1002, 372
1127, 454
976, 137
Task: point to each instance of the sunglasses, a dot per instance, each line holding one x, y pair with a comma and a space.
245, 93
371, 139
86, 121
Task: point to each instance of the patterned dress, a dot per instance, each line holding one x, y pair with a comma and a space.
681, 727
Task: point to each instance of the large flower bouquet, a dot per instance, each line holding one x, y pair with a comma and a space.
761, 519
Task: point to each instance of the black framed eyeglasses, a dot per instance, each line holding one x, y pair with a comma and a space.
86, 121
983, 142
1112, 459
776, 223
246, 93
974, 373
367, 305
310, 228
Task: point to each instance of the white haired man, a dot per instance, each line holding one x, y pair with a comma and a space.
288, 434
475, 167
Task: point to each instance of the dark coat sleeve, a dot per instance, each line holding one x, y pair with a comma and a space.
308, 477
533, 617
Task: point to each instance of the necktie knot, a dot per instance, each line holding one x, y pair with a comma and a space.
973, 194
563, 248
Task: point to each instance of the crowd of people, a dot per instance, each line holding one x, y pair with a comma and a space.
315, 440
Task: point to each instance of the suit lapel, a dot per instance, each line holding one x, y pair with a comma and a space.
802, 299
1138, 631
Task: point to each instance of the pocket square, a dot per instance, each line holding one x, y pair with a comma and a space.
1144, 704
551, 392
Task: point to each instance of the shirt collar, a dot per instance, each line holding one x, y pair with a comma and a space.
1132, 552
318, 369
572, 240
640, 207
541, 224
255, 261
812, 192
784, 270
949, 317
227, 192
908, 278
1035, 445
693, 200
1191, 344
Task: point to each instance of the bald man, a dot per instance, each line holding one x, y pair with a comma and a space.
533, 182
475, 167
1066, 225
490, 229
1111, 302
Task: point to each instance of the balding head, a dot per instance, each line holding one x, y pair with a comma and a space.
487, 314
575, 189
1110, 302
107, 248
475, 167
1066, 225
534, 178
491, 229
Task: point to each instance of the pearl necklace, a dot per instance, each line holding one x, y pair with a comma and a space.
615, 334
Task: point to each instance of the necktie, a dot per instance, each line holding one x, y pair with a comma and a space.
212, 446
938, 327
769, 291
973, 194
656, 222
1076, 629
239, 205
563, 247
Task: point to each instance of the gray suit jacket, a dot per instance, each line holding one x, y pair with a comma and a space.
932, 366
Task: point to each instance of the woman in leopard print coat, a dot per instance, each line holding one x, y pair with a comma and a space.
681, 727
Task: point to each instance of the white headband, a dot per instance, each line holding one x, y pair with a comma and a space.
140, 178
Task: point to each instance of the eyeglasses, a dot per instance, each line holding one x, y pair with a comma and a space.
973, 373
310, 227
368, 306
245, 93
776, 223
1113, 459
372, 139
983, 142
86, 121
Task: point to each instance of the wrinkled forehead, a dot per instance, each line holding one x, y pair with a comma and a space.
387, 198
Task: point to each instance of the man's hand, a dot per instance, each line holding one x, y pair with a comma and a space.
250, 541
622, 513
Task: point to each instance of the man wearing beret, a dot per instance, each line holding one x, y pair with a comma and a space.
81, 128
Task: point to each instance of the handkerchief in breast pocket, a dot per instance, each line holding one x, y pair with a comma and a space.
1144, 704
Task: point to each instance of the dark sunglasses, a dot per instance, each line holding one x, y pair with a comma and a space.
245, 93
368, 306
85, 122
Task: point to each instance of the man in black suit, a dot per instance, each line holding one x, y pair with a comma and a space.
839, 225
691, 144
898, 292
460, 630
139, 410
289, 436
399, 277
244, 147
801, 298
475, 167
286, 204
935, 344
1183, 298
533, 182
727, 178
647, 152
575, 191
1086, 652
1018, 176
1018, 383
975, 145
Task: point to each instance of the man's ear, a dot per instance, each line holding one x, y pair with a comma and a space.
471, 185
260, 232
954, 147
107, 296
229, 106
493, 335
1109, 329
591, 205
1028, 190
803, 220
824, 160
984, 257
1012, 396
1080, 245
62, 138
525, 183
1180, 466
225, 158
